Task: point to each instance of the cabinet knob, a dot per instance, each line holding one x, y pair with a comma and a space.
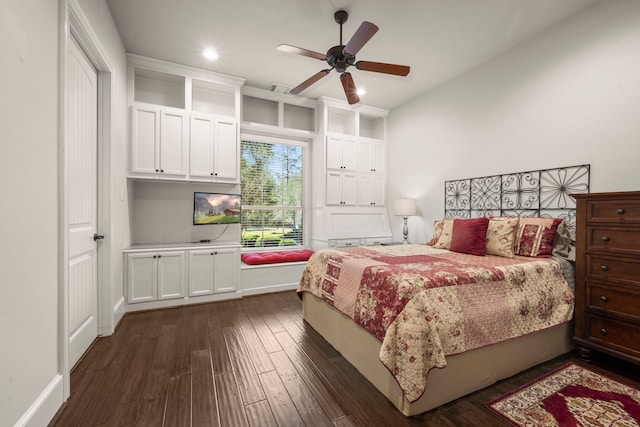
604, 238
215, 174
603, 331
159, 256
604, 268
620, 211
604, 298
161, 170
211, 253
157, 170
211, 174
154, 257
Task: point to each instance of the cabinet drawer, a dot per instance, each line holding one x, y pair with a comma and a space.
610, 268
614, 300
627, 211
622, 240
612, 333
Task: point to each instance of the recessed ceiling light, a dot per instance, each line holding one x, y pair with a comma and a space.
210, 54
361, 92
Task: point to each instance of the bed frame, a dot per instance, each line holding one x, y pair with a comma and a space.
465, 372
540, 193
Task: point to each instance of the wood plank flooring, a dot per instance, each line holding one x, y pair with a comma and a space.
249, 362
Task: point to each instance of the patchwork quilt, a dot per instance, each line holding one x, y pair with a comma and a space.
424, 303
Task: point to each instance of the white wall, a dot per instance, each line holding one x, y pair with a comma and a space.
162, 213
29, 200
30, 380
569, 96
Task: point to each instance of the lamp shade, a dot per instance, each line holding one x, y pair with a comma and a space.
405, 207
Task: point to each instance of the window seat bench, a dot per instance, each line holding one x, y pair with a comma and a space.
274, 271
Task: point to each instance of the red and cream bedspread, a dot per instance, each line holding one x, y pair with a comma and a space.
424, 304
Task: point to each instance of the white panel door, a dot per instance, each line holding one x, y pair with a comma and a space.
173, 144
82, 164
226, 265
226, 154
201, 272
379, 160
201, 146
171, 275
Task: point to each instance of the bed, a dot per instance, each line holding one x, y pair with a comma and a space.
428, 323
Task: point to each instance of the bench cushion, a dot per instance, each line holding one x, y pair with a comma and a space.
257, 258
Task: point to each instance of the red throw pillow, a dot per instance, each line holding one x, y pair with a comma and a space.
535, 236
469, 236
276, 257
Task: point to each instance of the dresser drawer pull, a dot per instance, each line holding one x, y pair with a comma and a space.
620, 211
604, 268
604, 238
604, 298
603, 331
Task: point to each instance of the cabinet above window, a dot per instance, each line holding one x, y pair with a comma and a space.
270, 112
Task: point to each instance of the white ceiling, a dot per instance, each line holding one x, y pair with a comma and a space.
439, 39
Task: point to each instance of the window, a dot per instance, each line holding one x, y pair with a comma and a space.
273, 188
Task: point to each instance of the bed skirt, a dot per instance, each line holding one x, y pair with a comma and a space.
465, 372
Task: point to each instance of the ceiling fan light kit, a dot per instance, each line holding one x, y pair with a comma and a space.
342, 56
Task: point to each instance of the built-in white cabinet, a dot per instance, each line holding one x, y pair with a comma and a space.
371, 190
158, 146
213, 270
342, 188
351, 188
371, 158
155, 276
184, 122
342, 153
214, 149
279, 113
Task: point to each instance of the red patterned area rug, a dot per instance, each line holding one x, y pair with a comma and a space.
570, 396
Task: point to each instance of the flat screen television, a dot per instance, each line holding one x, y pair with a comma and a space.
216, 208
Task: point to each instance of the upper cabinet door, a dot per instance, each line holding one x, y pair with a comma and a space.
349, 154
201, 146
145, 129
378, 154
334, 152
226, 150
173, 144
341, 153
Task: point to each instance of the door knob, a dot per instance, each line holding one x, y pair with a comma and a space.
97, 237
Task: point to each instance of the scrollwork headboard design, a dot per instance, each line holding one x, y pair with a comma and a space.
540, 193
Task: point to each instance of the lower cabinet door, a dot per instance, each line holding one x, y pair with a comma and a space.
226, 267
141, 277
201, 272
171, 275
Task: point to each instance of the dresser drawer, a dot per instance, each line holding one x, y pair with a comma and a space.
614, 300
627, 211
612, 333
610, 268
610, 239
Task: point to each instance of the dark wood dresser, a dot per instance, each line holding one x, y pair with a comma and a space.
607, 311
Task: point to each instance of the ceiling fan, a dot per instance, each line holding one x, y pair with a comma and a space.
342, 57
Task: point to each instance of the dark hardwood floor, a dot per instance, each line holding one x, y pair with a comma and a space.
249, 362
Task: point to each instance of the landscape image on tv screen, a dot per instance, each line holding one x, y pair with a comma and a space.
215, 208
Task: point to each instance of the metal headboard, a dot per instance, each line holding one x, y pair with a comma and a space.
540, 193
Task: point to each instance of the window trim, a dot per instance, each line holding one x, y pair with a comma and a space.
306, 158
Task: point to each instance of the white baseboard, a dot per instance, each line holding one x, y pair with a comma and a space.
118, 311
42, 411
270, 289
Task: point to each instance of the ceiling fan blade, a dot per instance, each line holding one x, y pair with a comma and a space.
300, 51
311, 80
381, 67
349, 88
360, 38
